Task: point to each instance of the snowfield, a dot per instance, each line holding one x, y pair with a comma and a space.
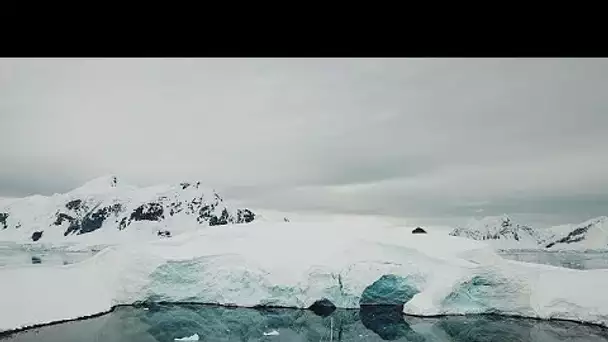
295, 264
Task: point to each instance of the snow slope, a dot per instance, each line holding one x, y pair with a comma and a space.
500, 231
591, 234
105, 210
296, 264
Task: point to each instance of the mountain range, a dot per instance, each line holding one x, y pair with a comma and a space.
107, 204
108, 210
502, 232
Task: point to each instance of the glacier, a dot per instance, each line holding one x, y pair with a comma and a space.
296, 264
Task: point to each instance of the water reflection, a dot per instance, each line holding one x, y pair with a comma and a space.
164, 323
581, 260
13, 255
388, 323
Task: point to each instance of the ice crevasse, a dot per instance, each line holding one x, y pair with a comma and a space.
297, 264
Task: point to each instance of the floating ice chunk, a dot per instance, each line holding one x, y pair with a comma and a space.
189, 338
271, 333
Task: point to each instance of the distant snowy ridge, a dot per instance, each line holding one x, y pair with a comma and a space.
106, 205
591, 234
502, 232
501, 229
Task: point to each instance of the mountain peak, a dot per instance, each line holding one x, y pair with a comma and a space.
107, 206
591, 234
100, 184
497, 228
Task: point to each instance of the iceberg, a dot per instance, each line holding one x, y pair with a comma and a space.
298, 265
271, 333
194, 337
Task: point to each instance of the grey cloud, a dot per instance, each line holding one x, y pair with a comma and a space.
396, 136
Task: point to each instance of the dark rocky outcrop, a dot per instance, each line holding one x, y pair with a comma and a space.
219, 221
3, 218
204, 213
123, 224
36, 260
245, 216
418, 230
203, 210
148, 212
164, 233
93, 220
74, 205
323, 307
85, 213
61, 217
36, 236
576, 235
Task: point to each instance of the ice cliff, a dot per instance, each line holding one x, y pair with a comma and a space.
298, 265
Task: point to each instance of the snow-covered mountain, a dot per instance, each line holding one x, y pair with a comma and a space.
107, 205
502, 232
591, 234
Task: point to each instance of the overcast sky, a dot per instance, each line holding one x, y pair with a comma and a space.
403, 137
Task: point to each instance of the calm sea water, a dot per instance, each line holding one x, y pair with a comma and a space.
582, 260
12, 254
164, 323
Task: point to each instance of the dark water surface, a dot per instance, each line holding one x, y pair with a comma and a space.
164, 323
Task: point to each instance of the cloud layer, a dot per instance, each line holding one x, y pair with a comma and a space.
405, 137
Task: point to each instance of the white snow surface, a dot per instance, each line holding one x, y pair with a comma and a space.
501, 232
593, 235
271, 333
194, 337
296, 264
40, 213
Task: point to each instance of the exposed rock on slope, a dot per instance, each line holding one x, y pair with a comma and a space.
500, 228
105, 204
3, 217
591, 234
